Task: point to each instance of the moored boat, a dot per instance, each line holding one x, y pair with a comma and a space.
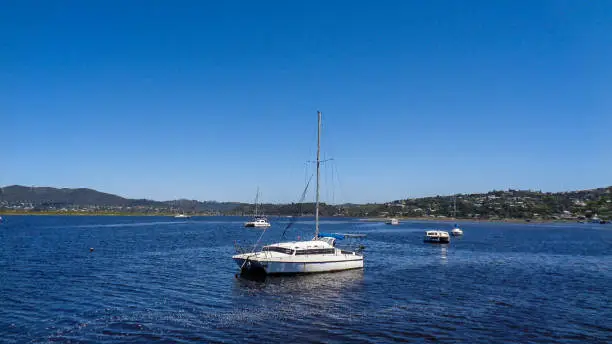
392, 221
437, 237
297, 257
259, 221
456, 231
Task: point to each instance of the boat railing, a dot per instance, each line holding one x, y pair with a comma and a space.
242, 248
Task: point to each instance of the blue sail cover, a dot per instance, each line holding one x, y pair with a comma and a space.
332, 235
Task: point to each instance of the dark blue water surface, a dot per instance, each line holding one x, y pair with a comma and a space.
164, 280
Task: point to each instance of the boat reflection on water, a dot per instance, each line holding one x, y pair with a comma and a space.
298, 300
302, 283
439, 252
443, 254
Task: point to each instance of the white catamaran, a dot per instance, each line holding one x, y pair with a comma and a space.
258, 220
295, 257
456, 230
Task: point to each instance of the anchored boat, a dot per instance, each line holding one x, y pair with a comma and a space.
299, 257
295, 257
437, 237
259, 221
393, 221
457, 231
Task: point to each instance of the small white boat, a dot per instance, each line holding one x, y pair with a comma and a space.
181, 216
456, 231
259, 221
437, 237
393, 221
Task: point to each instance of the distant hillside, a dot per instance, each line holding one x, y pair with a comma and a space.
38, 195
19, 197
514, 204
508, 204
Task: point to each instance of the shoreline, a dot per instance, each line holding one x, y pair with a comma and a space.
93, 214
430, 219
364, 219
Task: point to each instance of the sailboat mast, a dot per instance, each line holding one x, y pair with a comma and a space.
318, 173
256, 200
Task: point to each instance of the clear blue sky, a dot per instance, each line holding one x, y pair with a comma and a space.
207, 100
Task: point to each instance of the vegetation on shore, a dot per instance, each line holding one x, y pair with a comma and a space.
494, 205
509, 204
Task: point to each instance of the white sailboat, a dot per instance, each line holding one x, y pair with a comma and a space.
258, 220
392, 221
182, 214
295, 257
456, 230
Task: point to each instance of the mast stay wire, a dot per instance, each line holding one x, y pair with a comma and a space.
300, 202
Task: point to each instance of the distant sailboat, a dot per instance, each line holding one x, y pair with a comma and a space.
258, 220
456, 230
392, 221
181, 215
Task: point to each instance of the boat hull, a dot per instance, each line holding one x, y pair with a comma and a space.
250, 224
437, 240
292, 268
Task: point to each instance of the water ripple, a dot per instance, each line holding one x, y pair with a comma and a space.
151, 279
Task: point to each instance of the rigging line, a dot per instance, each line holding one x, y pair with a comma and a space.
294, 218
254, 247
305, 173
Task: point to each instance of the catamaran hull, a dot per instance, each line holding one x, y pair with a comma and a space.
437, 240
292, 268
250, 224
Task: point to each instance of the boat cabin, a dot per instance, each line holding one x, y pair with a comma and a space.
298, 248
437, 237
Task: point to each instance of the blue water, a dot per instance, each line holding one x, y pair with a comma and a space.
164, 280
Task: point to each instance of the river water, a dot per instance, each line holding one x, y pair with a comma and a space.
157, 279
